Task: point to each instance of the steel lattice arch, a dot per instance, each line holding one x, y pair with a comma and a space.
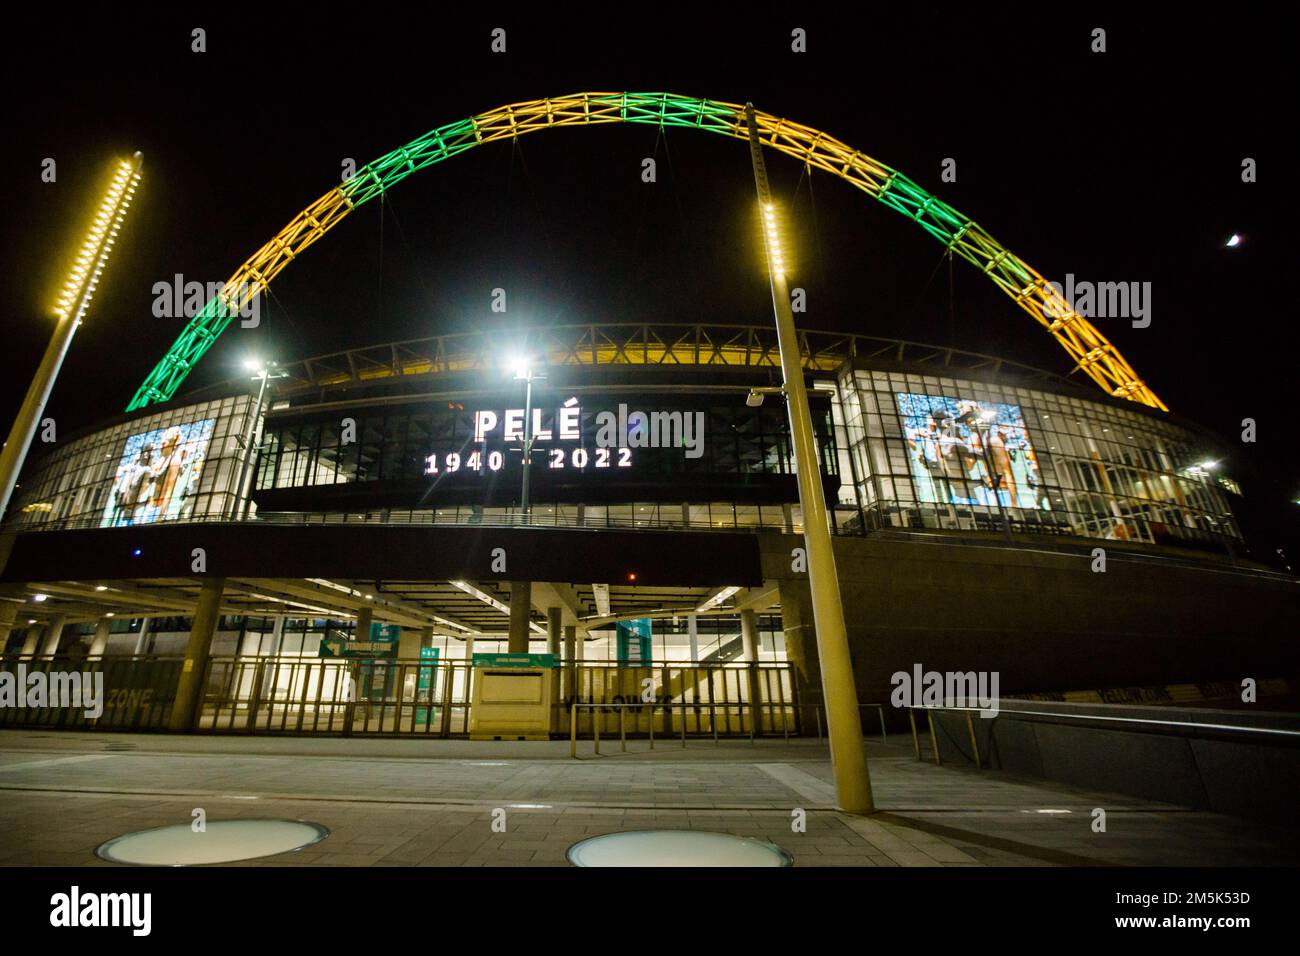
1091, 352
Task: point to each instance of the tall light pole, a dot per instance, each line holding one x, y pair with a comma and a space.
844, 723
239, 510
74, 300
524, 372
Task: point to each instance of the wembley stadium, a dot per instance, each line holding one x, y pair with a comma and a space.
334, 544
360, 514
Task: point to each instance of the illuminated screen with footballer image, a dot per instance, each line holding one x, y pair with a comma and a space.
948, 460
158, 476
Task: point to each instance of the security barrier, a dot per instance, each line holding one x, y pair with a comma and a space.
333, 696
353, 696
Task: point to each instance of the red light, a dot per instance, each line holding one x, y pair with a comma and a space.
631, 575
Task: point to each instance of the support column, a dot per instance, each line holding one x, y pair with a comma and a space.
693, 636
571, 661
277, 635
469, 668
751, 642
801, 650
554, 637
521, 603
250, 645
554, 631
142, 639
30, 641
50, 646
190, 686
365, 617
271, 669
99, 643
409, 642
8, 611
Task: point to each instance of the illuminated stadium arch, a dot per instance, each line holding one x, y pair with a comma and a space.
1090, 350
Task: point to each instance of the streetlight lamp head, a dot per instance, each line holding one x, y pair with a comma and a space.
754, 398
519, 365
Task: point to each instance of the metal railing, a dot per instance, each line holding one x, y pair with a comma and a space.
1009, 709
426, 698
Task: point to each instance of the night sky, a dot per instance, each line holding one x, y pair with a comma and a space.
1122, 166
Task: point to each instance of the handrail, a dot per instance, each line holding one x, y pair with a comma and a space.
1129, 720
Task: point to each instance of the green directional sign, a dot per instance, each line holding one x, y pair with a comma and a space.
381, 642
425, 681
633, 641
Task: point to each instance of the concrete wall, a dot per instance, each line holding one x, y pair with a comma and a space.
1045, 621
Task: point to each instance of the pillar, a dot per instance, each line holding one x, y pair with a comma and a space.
693, 636
250, 645
99, 643
409, 642
277, 635
521, 603
554, 631
749, 637
190, 686
8, 611
801, 648
30, 641
271, 669
554, 637
751, 642
142, 640
365, 617
50, 646
571, 661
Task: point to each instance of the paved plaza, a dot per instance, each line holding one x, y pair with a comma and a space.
401, 802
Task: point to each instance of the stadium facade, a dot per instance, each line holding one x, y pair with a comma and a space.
366, 506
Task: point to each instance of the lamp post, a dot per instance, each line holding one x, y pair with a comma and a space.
71, 307
525, 372
844, 723
239, 511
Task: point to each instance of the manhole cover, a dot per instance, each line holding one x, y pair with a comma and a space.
223, 841
676, 848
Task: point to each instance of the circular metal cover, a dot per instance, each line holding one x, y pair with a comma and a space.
676, 848
222, 841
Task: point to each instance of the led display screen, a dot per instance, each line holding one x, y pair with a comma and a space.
158, 475
959, 449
